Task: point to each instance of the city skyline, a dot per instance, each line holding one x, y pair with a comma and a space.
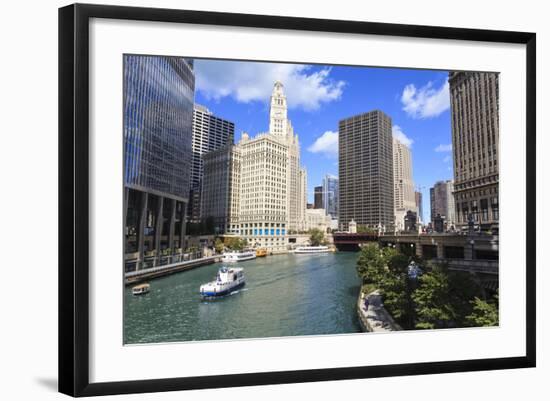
250, 199
417, 101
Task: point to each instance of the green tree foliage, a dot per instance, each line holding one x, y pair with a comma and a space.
442, 298
218, 245
387, 270
366, 230
484, 313
397, 262
397, 288
394, 290
438, 298
316, 237
235, 243
462, 292
432, 307
370, 264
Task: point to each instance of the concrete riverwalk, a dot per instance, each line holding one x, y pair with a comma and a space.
159, 271
373, 317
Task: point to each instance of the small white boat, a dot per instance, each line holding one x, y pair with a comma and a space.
312, 249
233, 257
227, 280
141, 289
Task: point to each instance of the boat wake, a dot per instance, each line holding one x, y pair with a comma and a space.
237, 291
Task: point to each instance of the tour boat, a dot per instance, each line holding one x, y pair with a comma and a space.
312, 249
141, 289
227, 280
238, 256
260, 252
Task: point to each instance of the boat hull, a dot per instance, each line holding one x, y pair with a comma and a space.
307, 251
211, 294
235, 260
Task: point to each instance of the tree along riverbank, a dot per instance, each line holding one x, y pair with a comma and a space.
430, 298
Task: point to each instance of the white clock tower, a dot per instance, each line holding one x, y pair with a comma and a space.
278, 122
266, 186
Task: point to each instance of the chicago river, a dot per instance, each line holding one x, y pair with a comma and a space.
285, 295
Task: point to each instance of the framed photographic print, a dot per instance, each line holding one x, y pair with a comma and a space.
251, 199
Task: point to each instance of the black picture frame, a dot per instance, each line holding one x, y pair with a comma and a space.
74, 198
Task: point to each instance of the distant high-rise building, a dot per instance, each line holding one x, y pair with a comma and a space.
442, 202
411, 220
330, 196
157, 124
418, 201
318, 201
209, 133
221, 188
365, 159
317, 219
451, 212
404, 198
475, 132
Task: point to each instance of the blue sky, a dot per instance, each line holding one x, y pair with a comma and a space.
319, 96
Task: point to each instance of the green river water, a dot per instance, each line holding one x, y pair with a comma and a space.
285, 295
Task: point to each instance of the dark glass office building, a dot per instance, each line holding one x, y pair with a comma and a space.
318, 197
158, 119
210, 133
365, 164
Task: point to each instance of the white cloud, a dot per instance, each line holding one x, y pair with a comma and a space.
447, 159
249, 81
425, 102
326, 144
400, 136
444, 148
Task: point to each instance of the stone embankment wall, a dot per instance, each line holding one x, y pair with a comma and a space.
373, 317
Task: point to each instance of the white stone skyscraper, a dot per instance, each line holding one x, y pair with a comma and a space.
404, 197
278, 112
271, 195
280, 126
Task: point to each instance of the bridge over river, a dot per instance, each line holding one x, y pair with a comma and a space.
474, 253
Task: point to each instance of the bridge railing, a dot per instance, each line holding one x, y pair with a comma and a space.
150, 270
472, 265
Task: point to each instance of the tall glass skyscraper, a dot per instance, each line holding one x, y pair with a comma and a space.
158, 118
330, 195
